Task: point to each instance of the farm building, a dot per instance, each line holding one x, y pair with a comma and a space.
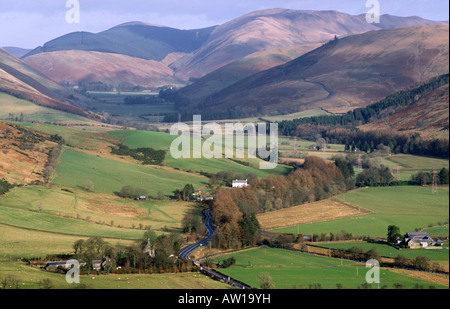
52, 266
418, 240
239, 183
96, 264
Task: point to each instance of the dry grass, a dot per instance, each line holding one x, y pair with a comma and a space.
431, 277
21, 165
325, 210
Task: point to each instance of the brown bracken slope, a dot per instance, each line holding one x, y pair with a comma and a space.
346, 73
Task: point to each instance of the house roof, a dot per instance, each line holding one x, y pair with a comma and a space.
417, 234
239, 181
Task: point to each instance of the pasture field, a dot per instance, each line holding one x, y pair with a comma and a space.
408, 207
85, 139
97, 208
29, 278
292, 116
436, 255
35, 221
25, 243
411, 164
113, 104
295, 270
109, 176
324, 210
163, 141
33, 112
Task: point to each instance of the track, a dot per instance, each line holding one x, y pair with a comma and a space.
189, 249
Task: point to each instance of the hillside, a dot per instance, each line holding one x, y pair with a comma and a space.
23, 154
343, 74
17, 51
192, 54
74, 67
135, 39
429, 116
244, 67
21, 81
277, 28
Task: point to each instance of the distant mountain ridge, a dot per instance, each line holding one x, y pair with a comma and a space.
208, 49
135, 39
21, 81
277, 28
266, 62
344, 74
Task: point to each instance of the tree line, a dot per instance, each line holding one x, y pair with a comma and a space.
372, 112
148, 156
234, 210
152, 254
342, 128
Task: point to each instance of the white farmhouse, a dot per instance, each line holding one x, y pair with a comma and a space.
239, 183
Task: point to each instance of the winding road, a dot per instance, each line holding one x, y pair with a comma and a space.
187, 251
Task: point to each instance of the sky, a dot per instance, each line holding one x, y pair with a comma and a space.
31, 23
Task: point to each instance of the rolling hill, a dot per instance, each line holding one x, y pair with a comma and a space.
17, 51
354, 71
186, 55
429, 116
277, 28
19, 80
25, 91
134, 39
75, 66
243, 67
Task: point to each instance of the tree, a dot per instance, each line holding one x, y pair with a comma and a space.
373, 254
187, 191
443, 176
45, 284
393, 235
9, 281
266, 281
161, 195
226, 216
78, 247
132, 192
251, 229
89, 186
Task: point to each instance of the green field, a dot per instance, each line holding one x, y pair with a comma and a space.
409, 164
26, 243
113, 104
290, 269
32, 112
408, 207
158, 140
29, 278
437, 255
109, 176
52, 205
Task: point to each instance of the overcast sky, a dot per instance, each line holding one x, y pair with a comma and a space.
30, 23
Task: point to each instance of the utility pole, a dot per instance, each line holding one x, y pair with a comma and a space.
434, 188
360, 163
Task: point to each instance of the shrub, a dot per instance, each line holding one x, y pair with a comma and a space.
132, 192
